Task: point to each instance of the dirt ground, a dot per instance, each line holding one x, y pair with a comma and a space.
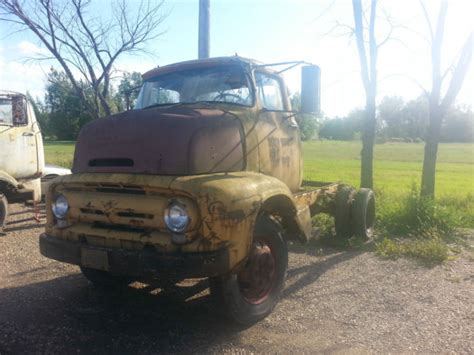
334, 302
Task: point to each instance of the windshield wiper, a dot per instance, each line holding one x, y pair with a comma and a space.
206, 102
182, 103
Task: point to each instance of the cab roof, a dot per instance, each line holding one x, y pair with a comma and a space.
197, 63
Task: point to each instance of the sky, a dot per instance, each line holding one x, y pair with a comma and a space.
275, 31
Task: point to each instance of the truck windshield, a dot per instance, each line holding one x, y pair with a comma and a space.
222, 84
6, 116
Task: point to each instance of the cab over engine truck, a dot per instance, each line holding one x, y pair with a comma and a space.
21, 152
202, 179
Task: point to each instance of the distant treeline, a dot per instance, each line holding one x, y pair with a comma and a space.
61, 115
397, 120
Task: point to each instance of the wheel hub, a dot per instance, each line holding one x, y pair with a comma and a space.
257, 278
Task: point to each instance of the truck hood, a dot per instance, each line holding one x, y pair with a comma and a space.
163, 141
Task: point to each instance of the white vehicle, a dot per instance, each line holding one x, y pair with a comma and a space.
50, 173
21, 152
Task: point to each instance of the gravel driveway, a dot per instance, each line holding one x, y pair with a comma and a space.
334, 302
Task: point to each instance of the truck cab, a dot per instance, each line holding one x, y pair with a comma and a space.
21, 152
202, 179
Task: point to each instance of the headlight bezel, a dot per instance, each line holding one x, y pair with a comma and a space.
171, 219
60, 207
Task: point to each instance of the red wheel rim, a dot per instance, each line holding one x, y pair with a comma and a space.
257, 278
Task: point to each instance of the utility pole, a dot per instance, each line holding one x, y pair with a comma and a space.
204, 33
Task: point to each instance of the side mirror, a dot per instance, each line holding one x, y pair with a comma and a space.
310, 89
19, 114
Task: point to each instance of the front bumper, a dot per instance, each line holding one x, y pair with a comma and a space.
144, 263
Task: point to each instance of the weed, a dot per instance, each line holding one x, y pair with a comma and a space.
429, 251
413, 215
425, 225
326, 234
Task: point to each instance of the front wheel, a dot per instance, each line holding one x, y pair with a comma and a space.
251, 295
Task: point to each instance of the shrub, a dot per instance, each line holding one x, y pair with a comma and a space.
425, 225
430, 251
416, 216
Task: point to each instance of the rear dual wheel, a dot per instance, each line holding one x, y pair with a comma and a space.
354, 213
251, 295
363, 213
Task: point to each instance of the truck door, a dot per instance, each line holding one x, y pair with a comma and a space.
19, 135
279, 140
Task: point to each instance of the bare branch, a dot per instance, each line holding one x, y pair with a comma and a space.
359, 33
373, 43
459, 74
81, 43
427, 18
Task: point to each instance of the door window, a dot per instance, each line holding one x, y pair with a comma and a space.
269, 92
6, 115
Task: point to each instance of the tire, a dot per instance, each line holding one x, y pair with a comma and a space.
105, 280
3, 211
343, 212
251, 294
363, 213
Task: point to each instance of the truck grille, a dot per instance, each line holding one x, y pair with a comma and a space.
116, 205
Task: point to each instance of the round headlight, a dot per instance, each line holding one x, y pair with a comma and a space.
176, 218
60, 207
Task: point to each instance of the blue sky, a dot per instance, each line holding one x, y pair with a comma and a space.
274, 31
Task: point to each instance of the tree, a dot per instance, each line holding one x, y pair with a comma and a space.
439, 105
403, 120
390, 116
458, 126
343, 128
128, 90
66, 112
415, 118
308, 124
368, 66
85, 46
336, 128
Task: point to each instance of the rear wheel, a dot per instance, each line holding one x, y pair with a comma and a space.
251, 295
363, 213
3, 211
105, 280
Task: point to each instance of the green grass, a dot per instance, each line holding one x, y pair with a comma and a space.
397, 166
59, 153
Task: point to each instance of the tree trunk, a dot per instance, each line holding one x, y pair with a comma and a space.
369, 79
368, 140
431, 153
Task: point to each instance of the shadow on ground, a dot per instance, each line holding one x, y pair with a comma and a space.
68, 313
58, 314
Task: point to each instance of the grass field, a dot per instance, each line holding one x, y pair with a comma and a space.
397, 167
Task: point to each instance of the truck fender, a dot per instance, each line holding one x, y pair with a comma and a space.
230, 204
296, 221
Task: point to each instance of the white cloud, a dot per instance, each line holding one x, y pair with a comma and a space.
28, 48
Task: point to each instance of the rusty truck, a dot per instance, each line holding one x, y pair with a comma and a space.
202, 179
21, 152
